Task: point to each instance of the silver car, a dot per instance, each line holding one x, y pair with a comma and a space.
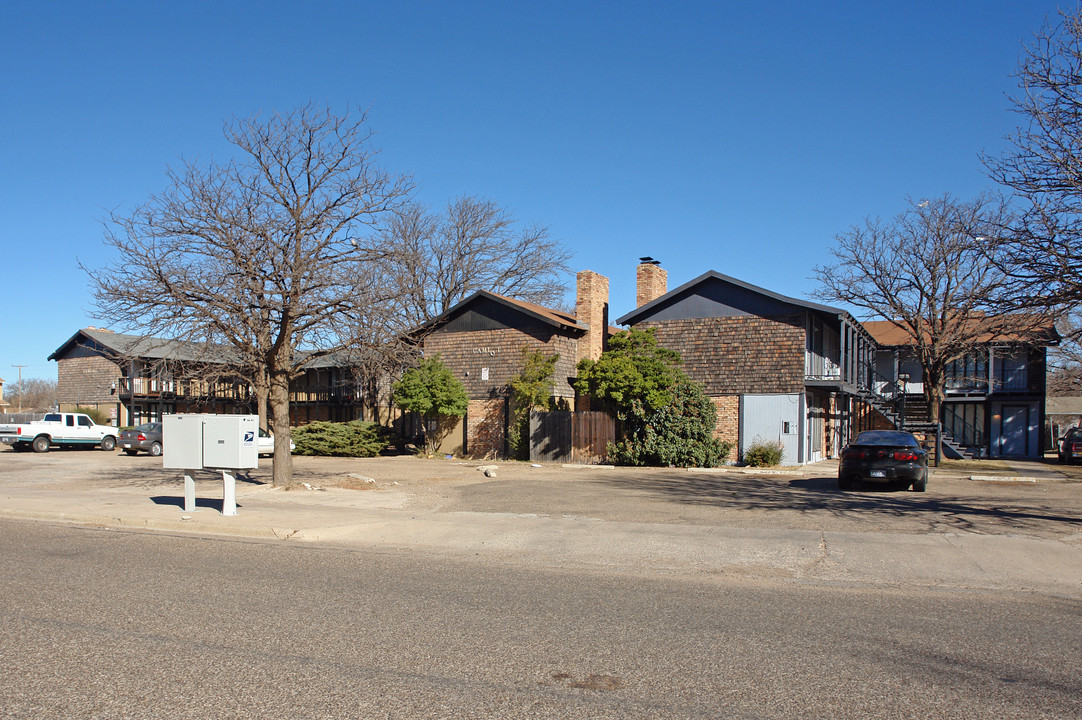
146, 437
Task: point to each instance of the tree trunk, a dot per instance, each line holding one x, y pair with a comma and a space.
934, 392
282, 473
262, 396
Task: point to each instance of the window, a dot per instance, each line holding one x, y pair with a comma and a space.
965, 422
1009, 370
969, 372
85, 422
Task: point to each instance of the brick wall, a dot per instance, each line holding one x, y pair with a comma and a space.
832, 420
738, 355
592, 309
651, 282
500, 351
728, 422
485, 428
865, 417
87, 380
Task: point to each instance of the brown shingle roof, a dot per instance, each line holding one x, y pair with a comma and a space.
888, 334
558, 318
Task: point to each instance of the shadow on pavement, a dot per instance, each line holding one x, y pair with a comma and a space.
821, 495
178, 502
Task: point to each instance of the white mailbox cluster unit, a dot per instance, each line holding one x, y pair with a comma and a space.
193, 442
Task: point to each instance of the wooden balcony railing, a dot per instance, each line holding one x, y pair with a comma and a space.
223, 390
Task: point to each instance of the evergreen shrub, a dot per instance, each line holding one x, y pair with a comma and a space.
100, 417
763, 454
357, 438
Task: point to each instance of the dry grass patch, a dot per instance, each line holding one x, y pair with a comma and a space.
984, 467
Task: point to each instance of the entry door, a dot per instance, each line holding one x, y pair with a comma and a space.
1015, 429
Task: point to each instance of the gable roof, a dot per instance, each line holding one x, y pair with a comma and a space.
639, 313
141, 346
557, 318
152, 348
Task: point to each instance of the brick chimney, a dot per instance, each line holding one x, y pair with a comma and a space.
592, 310
651, 282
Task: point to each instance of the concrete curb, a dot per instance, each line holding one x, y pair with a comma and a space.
1004, 478
794, 472
185, 526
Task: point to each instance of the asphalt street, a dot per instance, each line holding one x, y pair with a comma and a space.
410, 588
124, 624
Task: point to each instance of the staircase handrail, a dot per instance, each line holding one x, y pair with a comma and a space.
894, 386
977, 433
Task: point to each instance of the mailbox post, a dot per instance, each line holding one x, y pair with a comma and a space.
227, 443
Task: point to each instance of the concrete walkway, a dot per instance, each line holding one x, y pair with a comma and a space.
394, 520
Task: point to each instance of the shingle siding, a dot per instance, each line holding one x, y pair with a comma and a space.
469, 353
86, 378
738, 355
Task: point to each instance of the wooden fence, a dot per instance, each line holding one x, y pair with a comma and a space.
573, 437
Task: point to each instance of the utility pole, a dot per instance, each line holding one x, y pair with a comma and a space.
20, 385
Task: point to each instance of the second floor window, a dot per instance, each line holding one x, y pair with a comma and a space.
969, 372
1009, 371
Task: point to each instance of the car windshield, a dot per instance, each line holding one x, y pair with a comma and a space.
146, 427
886, 437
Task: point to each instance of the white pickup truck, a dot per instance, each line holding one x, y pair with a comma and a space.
74, 429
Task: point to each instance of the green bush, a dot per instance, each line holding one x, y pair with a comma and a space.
432, 391
356, 438
100, 417
680, 434
763, 454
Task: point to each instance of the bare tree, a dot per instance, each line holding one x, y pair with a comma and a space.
1041, 250
266, 253
928, 272
440, 260
32, 394
1065, 360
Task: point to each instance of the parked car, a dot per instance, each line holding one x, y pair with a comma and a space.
884, 456
146, 437
265, 443
1070, 447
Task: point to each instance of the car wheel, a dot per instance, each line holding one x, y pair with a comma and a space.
844, 483
922, 484
41, 444
155, 449
108, 443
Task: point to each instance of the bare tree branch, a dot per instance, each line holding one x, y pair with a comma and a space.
1041, 250
270, 253
932, 272
474, 245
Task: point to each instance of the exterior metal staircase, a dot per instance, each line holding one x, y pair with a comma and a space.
910, 412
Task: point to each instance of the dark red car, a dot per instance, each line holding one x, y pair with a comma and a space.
1070, 447
884, 456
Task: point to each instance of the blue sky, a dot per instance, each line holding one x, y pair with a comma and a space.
731, 136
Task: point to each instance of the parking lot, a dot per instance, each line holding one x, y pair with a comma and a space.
804, 499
